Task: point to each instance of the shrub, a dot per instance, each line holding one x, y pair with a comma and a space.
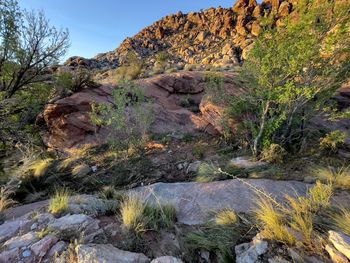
332, 141
226, 217
59, 202
74, 80
274, 154
215, 87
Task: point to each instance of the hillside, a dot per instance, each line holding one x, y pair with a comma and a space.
216, 36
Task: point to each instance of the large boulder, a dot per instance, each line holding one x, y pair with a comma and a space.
107, 253
194, 202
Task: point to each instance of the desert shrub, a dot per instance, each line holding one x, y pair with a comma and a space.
338, 177
333, 140
273, 154
131, 68
74, 80
59, 202
214, 87
290, 75
129, 118
341, 220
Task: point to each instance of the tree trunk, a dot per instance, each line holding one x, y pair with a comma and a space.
257, 139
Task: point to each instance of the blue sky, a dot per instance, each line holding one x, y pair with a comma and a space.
98, 26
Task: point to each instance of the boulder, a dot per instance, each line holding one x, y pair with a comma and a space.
335, 255
107, 253
195, 202
9, 255
41, 247
21, 241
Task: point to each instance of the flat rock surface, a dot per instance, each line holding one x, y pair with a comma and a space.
195, 201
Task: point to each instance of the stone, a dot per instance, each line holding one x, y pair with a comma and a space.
107, 253
58, 248
194, 202
201, 36
41, 247
250, 252
193, 167
341, 242
70, 221
26, 253
21, 241
335, 255
34, 226
246, 162
9, 255
8, 229
167, 259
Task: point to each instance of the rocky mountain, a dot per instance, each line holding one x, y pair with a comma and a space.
216, 36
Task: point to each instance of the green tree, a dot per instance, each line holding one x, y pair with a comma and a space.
28, 46
291, 73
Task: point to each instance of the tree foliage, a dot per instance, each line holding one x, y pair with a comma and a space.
291, 72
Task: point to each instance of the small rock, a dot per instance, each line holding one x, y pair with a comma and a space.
70, 221
107, 253
26, 253
309, 179
335, 255
10, 228
166, 259
250, 252
9, 256
58, 248
41, 247
341, 242
278, 260
34, 226
205, 255
21, 241
193, 167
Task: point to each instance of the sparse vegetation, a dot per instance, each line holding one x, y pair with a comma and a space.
333, 140
40, 167
274, 154
226, 217
59, 202
342, 220
5, 199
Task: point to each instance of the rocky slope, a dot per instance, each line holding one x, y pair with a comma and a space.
177, 103
216, 36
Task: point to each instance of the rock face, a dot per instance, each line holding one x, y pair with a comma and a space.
66, 122
107, 253
195, 201
341, 242
250, 252
196, 37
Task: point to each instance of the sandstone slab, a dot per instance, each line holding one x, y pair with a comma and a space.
107, 253
194, 202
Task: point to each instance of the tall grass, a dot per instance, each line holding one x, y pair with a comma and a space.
5, 198
338, 177
342, 220
40, 167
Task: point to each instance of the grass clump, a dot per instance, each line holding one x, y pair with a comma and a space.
338, 177
274, 154
59, 202
139, 216
341, 220
5, 200
226, 217
294, 223
44, 232
40, 167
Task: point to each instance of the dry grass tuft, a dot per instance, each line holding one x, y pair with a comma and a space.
338, 177
132, 212
5, 198
59, 202
40, 167
226, 217
342, 220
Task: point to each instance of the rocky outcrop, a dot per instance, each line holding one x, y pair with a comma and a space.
196, 37
66, 123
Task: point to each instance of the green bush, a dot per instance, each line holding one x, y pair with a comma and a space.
274, 154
